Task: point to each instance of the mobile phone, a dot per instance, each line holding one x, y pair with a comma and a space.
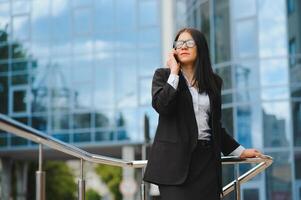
176, 57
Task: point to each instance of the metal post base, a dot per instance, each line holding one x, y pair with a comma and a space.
40, 185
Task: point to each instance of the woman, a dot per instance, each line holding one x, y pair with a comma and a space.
185, 158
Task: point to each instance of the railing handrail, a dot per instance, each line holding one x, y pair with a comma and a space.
12, 126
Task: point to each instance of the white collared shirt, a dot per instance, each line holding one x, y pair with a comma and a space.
201, 107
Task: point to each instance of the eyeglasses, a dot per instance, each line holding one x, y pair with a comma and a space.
180, 43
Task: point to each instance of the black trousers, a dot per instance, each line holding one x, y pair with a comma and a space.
201, 182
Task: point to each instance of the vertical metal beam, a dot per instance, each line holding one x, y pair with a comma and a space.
40, 177
81, 182
237, 183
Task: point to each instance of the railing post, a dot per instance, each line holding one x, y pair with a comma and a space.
40, 177
81, 182
237, 183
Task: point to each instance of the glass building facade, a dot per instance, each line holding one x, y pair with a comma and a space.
79, 70
256, 49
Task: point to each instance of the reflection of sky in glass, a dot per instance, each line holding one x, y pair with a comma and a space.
246, 38
4, 15
148, 13
90, 54
273, 72
277, 113
272, 27
249, 126
245, 8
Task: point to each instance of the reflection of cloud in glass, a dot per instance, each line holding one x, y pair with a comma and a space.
272, 27
273, 71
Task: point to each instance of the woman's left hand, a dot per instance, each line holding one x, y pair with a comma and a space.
250, 153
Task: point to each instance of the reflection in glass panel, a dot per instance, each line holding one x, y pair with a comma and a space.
65, 137
21, 79
4, 52
4, 16
278, 177
251, 194
104, 118
77, 3
222, 31
21, 65
225, 74
61, 19
145, 91
18, 141
148, 13
276, 118
246, 38
126, 123
125, 14
246, 75
82, 70
40, 20
126, 81
149, 59
272, 28
150, 38
60, 121
82, 137
244, 8
39, 122
19, 101
82, 21
60, 47
298, 165
81, 120
4, 94
247, 95
227, 98
104, 135
3, 141
104, 15
227, 120
21, 25
20, 7
274, 93
247, 127
83, 45
82, 96
273, 72
104, 84
296, 92
126, 40
296, 112
152, 117
205, 23
104, 44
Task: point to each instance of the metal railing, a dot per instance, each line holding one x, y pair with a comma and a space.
11, 126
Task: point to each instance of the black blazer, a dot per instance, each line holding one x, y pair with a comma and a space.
177, 132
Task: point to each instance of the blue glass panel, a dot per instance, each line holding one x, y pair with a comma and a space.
278, 177
273, 72
148, 13
276, 124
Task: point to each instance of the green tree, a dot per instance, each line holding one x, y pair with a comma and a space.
60, 182
111, 176
92, 195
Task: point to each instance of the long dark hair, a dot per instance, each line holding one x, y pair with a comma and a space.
204, 77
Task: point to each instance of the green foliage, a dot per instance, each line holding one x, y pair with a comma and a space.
92, 195
112, 176
60, 182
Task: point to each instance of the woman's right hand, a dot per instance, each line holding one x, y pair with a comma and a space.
172, 63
